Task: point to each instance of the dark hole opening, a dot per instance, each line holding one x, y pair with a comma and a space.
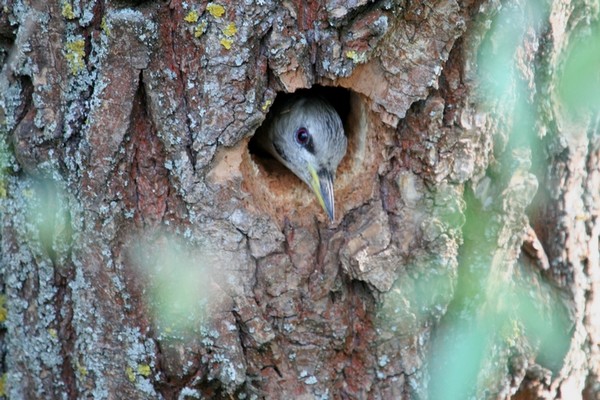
279, 192
337, 96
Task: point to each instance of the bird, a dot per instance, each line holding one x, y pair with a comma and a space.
305, 133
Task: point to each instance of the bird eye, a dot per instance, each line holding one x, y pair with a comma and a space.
302, 136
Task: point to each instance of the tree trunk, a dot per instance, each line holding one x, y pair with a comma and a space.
149, 251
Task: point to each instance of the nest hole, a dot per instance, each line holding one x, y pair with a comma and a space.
278, 191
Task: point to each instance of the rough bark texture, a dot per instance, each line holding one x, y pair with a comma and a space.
125, 160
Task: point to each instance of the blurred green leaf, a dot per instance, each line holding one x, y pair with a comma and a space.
179, 279
580, 83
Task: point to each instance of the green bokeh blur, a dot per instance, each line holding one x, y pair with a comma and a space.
579, 87
495, 318
178, 285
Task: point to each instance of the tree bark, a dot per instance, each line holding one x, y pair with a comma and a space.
149, 252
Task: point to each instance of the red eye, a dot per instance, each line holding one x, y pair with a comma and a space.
302, 136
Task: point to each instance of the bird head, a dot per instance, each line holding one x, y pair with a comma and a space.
307, 136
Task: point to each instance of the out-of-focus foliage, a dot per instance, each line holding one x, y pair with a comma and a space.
47, 211
471, 353
580, 84
178, 284
498, 315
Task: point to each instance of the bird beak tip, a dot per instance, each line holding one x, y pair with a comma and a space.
326, 200
329, 209
322, 184
331, 215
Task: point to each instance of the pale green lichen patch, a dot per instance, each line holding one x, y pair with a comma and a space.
27, 193
216, 10
130, 374
81, 371
356, 56
67, 10
3, 385
142, 370
200, 29
191, 17
104, 26
4, 165
75, 54
3, 310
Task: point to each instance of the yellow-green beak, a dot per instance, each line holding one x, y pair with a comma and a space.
322, 184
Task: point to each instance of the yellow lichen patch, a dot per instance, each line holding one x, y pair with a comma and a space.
53, 333
144, 370
191, 17
356, 56
104, 26
226, 43
130, 374
266, 105
230, 30
3, 191
3, 310
216, 10
67, 11
200, 29
75, 53
82, 370
3, 385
